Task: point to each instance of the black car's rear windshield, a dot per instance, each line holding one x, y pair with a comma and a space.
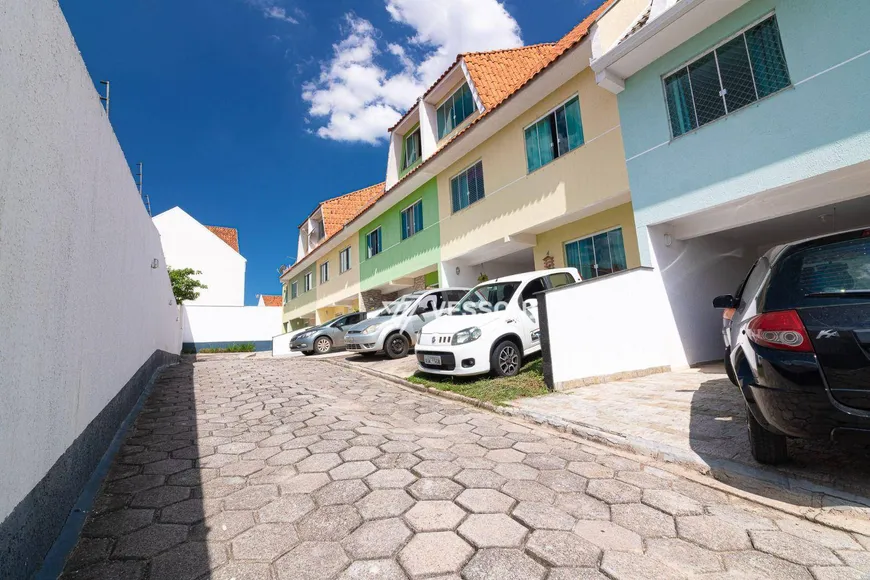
823, 274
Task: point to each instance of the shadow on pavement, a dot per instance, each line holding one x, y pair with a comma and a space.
148, 516
717, 432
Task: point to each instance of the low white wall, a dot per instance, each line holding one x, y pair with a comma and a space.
616, 324
222, 324
81, 308
281, 343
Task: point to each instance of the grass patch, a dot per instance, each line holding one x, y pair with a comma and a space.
529, 382
240, 347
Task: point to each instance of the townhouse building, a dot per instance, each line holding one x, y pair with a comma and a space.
746, 125
512, 161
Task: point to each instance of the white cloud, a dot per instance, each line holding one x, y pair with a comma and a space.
365, 87
270, 9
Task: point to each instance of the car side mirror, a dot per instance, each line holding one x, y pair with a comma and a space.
725, 301
530, 303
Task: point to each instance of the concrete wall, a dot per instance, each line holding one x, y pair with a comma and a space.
189, 244
819, 125
221, 326
615, 324
341, 286
82, 309
518, 201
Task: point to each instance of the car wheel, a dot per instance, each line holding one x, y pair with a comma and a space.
397, 346
506, 359
323, 345
767, 448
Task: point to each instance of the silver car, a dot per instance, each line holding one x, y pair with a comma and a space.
326, 337
396, 331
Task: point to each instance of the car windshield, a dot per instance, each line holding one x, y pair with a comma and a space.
487, 298
399, 306
334, 321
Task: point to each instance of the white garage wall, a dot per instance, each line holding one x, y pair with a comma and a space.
616, 324
80, 305
205, 325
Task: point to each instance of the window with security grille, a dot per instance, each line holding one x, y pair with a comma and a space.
458, 107
373, 243
308, 282
344, 260
324, 272
467, 187
597, 255
554, 135
412, 220
739, 72
294, 290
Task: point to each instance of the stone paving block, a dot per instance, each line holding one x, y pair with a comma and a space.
374, 570
562, 549
505, 456
792, 548
671, 502
251, 497
434, 516
117, 523
150, 541
700, 493
628, 566
328, 446
618, 463
167, 466
503, 564
485, 501
591, 470
223, 526
135, 483
160, 496
609, 536
305, 483
377, 539
329, 523
89, 551
836, 573
818, 534
396, 461
516, 471
562, 481
524, 490
288, 457
187, 561
312, 561
352, 470
436, 469
492, 531
541, 516
496, 442
433, 553
433, 488
713, 533
741, 517
360, 453
643, 480
573, 454
683, 556
243, 468
576, 574
243, 570
534, 447
544, 462
646, 521
341, 492
582, 506
321, 462
480, 478
261, 453
384, 503
613, 491
759, 565
110, 570
390, 479
235, 448
265, 542
399, 447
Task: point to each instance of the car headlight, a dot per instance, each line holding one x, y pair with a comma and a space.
304, 335
466, 335
372, 328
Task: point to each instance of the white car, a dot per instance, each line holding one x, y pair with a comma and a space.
492, 328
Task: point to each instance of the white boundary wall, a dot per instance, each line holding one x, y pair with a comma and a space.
81, 308
617, 324
229, 324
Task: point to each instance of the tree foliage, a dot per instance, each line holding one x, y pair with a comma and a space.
184, 285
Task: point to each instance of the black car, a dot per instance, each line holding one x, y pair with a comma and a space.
797, 337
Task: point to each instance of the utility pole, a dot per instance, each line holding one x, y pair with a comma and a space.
145, 199
106, 98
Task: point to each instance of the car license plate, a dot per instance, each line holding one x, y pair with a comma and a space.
431, 359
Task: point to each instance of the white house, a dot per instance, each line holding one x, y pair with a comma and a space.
210, 249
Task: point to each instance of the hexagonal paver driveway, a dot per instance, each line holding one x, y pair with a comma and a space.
296, 469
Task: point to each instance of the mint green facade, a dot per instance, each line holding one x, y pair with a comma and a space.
415, 256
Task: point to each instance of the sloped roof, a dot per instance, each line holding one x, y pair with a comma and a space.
499, 73
338, 211
230, 236
271, 300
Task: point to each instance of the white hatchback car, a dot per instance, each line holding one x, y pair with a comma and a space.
492, 328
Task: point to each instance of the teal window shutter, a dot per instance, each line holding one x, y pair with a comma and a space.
575, 123
768, 58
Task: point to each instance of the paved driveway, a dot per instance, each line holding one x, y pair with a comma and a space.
297, 469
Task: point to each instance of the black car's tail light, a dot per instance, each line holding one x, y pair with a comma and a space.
781, 330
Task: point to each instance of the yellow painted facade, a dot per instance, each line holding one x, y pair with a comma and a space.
553, 241
612, 25
341, 287
579, 183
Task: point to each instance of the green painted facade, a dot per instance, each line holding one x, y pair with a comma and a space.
400, 258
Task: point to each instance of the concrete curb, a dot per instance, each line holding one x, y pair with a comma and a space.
802, 498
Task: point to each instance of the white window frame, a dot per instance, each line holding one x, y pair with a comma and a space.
344, 266
380, 250
544, 116
458, 173
415, 232
324, 269
701, 55
308, 282
590, 236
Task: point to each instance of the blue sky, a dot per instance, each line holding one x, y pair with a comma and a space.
247, 113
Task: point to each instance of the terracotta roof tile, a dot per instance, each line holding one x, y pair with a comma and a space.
230, 236
499, 73
338, 211
272, 300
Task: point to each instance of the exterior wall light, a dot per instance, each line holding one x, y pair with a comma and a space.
155, 263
